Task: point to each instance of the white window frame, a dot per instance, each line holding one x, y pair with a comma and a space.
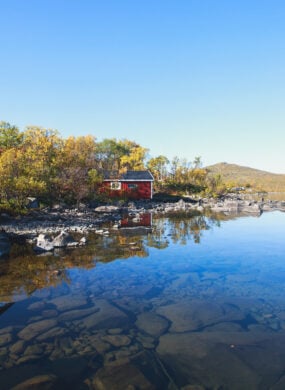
116, 185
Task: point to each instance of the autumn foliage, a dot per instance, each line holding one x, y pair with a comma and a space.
38, 162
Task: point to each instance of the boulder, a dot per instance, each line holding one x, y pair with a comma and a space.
63, 239
44, 243
106, 209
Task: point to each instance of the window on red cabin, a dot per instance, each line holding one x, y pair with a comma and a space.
115, 185
132, 186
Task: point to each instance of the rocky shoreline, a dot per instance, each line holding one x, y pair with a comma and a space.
59, 221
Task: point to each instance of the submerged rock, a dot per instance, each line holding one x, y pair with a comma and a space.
68, 302
108, 316
152, 323
43, 382
230, 360
5, 339
121, 377
36, 328
117, 340
191, 315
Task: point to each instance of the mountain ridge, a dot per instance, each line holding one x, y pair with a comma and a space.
249, 177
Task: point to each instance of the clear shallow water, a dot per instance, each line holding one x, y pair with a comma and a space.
198, 304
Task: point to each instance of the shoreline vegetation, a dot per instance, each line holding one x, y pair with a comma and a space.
39, 163
64, 176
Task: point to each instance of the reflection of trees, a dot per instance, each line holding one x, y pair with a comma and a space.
28, 273
182, 227
120, 247
24, 272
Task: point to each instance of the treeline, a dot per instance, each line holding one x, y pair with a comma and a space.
38, 162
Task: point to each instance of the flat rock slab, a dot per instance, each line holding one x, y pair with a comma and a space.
68, 302
17, 347
5, 339
108, 316
43, 382
117, 340
152, 323
121, 377
230, 360
71, 315
191, 315
36, 328
143, 371
52, 333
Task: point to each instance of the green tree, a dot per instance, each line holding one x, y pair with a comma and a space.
197, 163
109, 153
158, 167
10, 137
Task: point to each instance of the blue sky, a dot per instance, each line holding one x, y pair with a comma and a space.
182, 77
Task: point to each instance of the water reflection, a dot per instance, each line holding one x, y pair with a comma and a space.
25, 272
176, 315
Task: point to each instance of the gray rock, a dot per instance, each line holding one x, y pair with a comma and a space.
77, 314
34, 349
37, 306
43, 382
18, 347
115, 331
36, 328
83, 241
68, 302
191, 315
230, 360
52, 333
120, 377
64, 239
5, 339
7, 329
96, 342
106, 209
108, 316
147, 341
152, 323
117, 340
44, 243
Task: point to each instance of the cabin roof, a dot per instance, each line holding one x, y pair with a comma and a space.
128, 176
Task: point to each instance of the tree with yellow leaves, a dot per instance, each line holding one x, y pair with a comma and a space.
134, 159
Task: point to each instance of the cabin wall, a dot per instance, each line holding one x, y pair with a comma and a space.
141, 190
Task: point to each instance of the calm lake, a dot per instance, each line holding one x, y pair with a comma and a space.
197, 304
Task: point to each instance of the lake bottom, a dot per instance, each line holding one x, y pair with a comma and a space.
180, 314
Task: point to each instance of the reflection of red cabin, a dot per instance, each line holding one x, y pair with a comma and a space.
131, 184
137, 221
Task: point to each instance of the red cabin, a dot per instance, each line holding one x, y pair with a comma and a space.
131, 184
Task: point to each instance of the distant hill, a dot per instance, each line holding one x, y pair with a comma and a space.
243, 176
